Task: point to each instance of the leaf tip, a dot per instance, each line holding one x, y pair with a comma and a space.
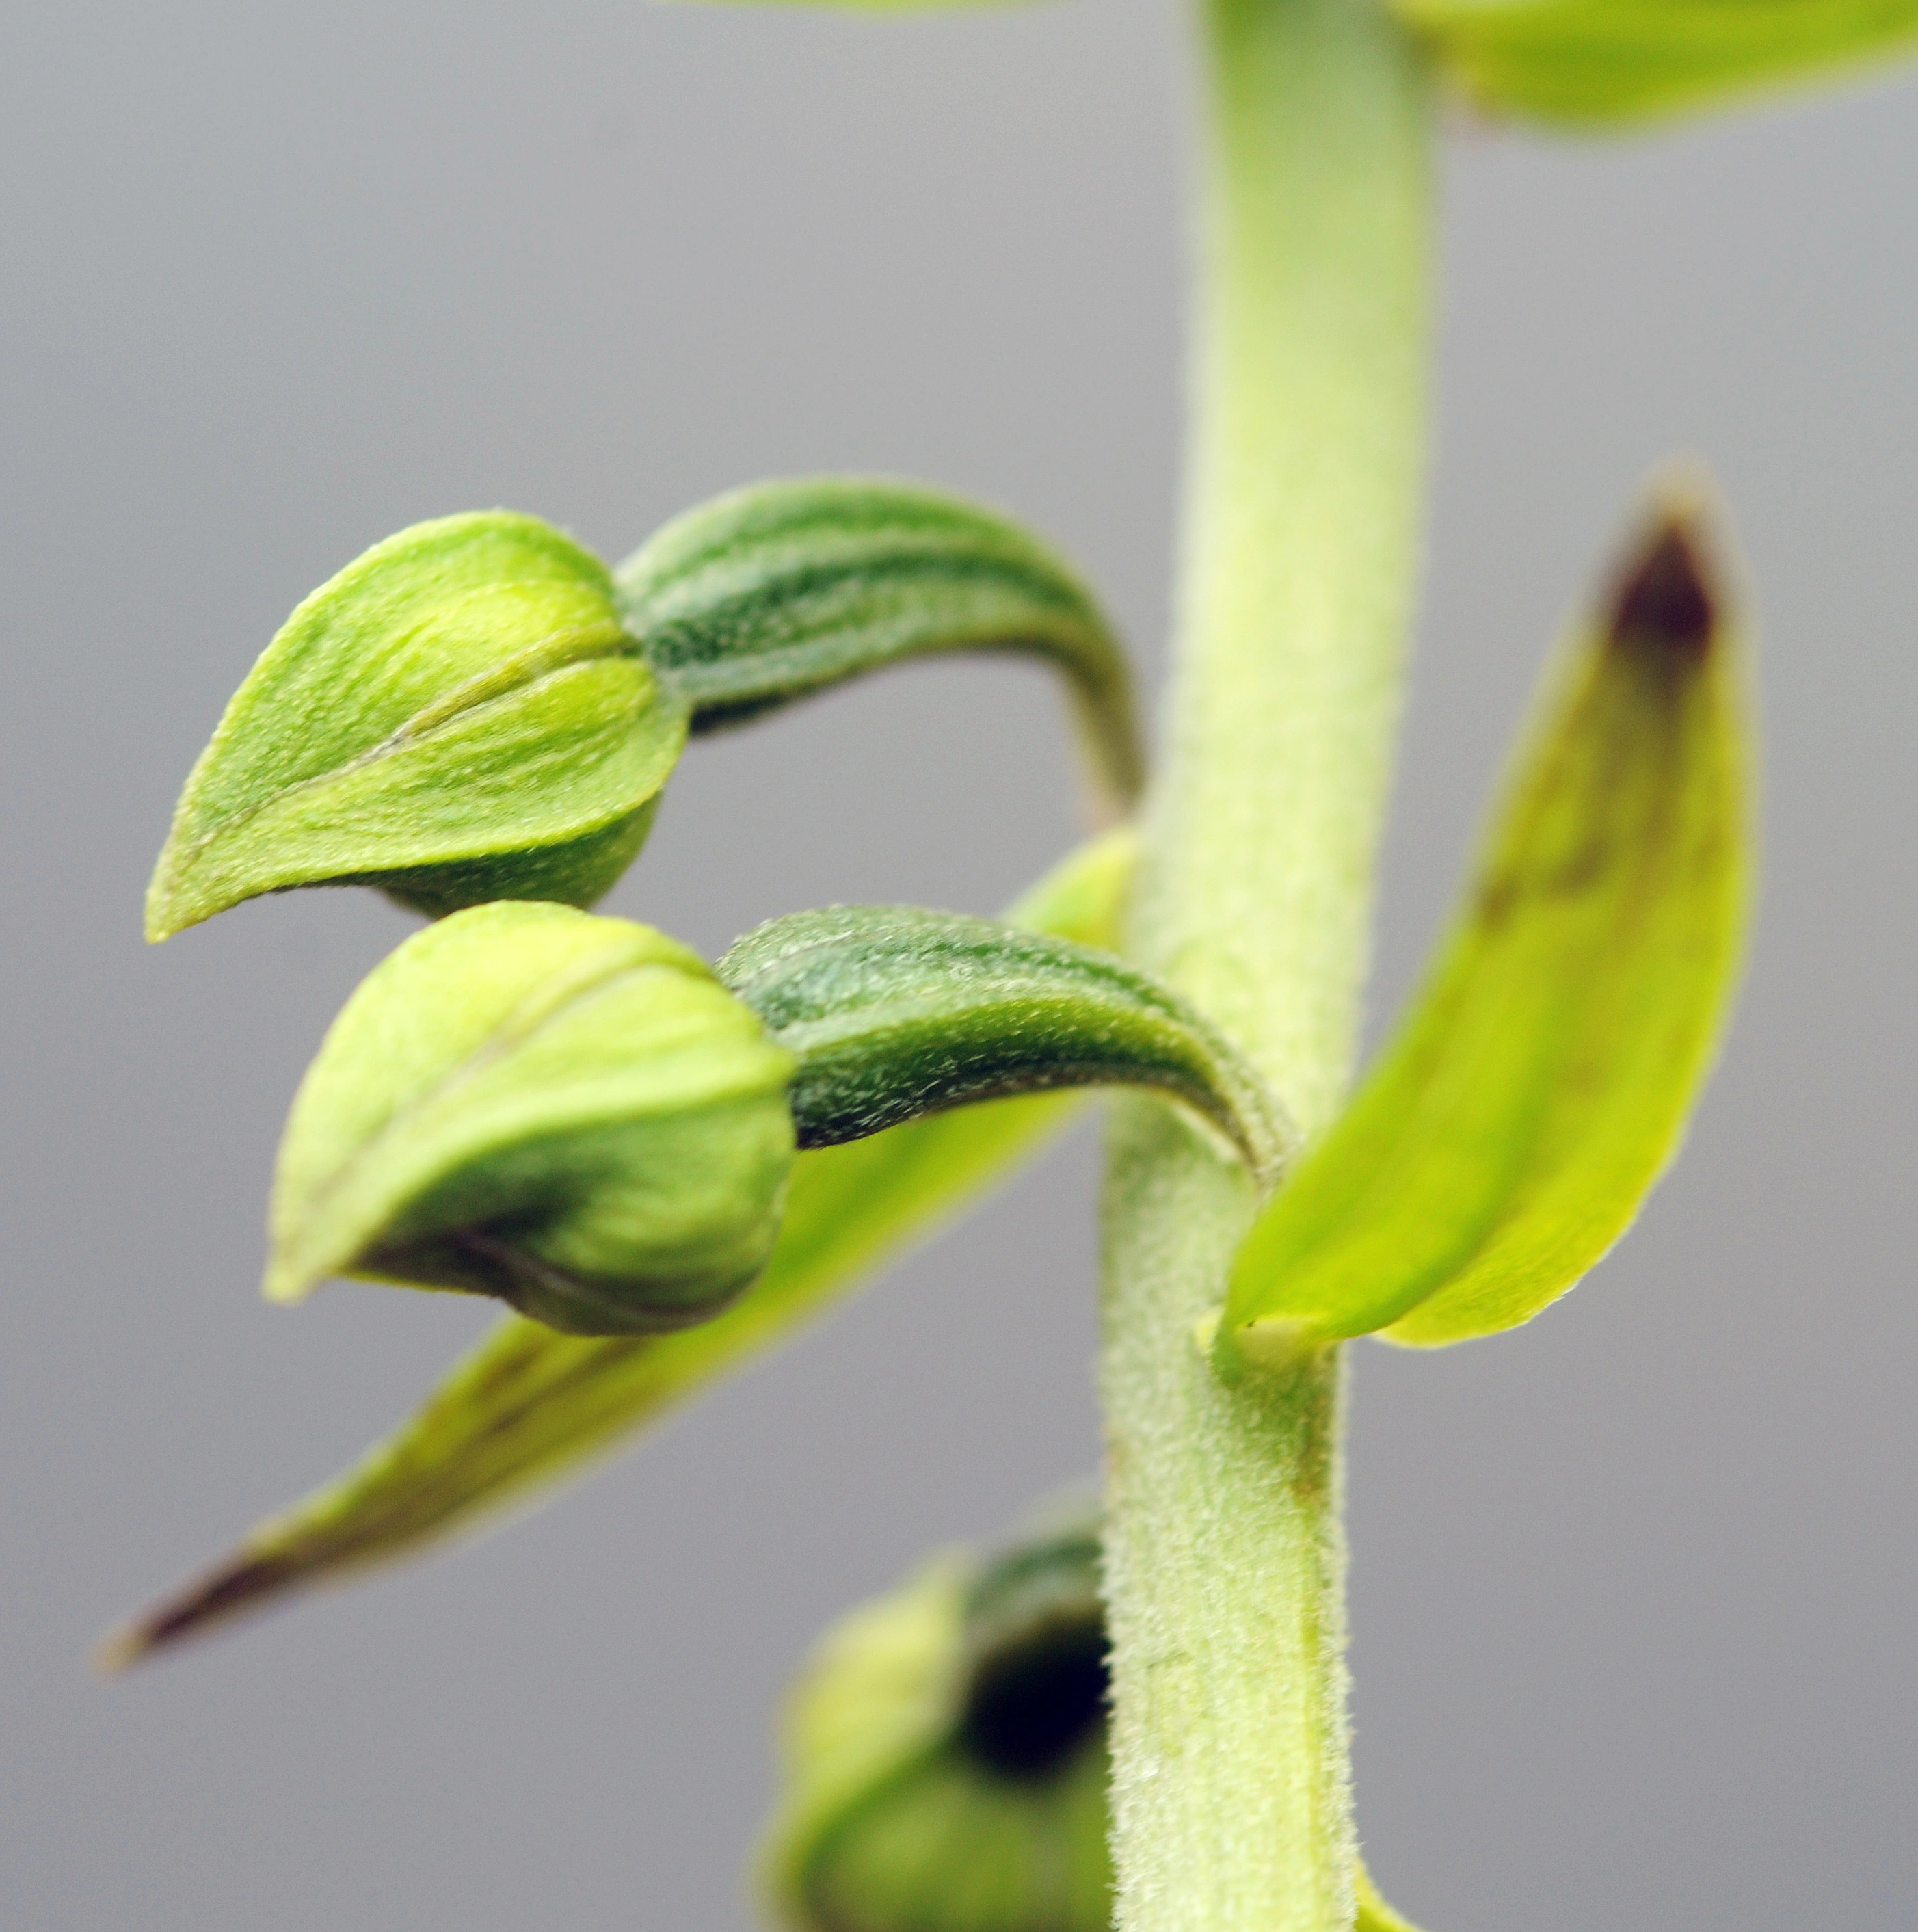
118, 1651
1665, 602
286, 1283
240, 1584
167, 910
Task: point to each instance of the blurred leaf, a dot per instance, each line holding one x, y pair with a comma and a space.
527, 1406
1596, 63
568, 1112
772, 592
1542, 1079
892, 1012
458, 716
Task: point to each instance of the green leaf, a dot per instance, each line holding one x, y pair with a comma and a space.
1542, 1079
775, 592
570, 1113
892, 1011
458, 716
526, 1407
1596, 63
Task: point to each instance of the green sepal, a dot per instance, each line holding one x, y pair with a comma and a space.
458, 716
1594, 63
568, 1112
891, 1012
772, 592
1541, 1078
526, 1407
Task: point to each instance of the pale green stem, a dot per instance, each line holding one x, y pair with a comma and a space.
1226, 1558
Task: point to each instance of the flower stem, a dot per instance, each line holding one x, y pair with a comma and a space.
1225, 1558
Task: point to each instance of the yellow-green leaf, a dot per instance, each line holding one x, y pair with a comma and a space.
1542, 1078
526, 1406
1597, 63
458, 716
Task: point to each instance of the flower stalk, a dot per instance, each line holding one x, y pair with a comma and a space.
1225, 1557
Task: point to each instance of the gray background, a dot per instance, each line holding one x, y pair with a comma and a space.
1631, 1589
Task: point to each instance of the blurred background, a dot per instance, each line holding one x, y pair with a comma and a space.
1632, 1588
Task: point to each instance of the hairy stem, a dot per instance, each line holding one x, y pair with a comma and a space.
1225, 1558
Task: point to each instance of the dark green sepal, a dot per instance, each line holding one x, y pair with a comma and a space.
892, 1011
772, 592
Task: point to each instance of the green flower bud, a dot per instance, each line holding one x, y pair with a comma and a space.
579, 1116
946, 1754
474, 711
458, 716
568, 1112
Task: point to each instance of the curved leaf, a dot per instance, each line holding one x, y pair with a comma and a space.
772, 592
457, 716
892, 1012
1541, 1080
526, 1407
1596, 63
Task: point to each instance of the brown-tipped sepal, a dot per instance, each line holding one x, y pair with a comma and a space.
526, 1408
1542, 1079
